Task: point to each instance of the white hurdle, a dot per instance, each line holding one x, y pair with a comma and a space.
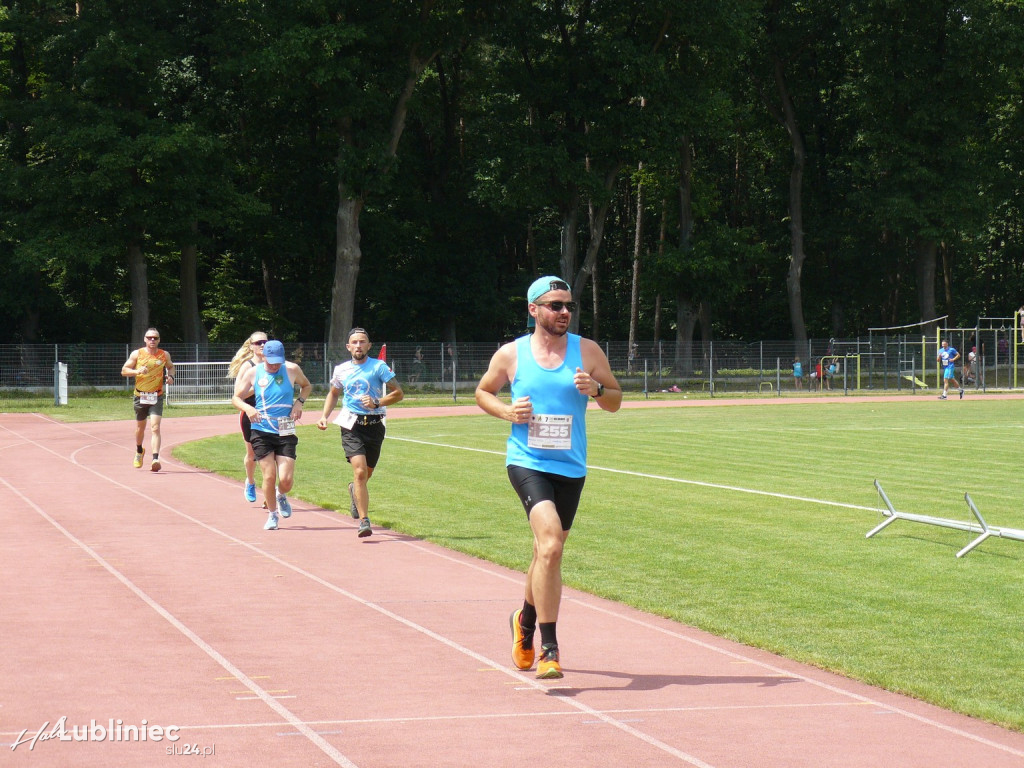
983, 529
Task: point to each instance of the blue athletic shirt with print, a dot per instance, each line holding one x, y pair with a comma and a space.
555, 439
275, 396
947, 356
358, 380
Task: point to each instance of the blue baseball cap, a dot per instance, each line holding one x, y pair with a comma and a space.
542, 285
273, 351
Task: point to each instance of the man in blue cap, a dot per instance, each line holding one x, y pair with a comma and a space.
553, 375
273, 382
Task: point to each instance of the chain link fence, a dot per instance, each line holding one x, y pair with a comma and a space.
876, 362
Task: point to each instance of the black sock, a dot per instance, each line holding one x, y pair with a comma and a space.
528, 618
547, 633
156, 456
138, 449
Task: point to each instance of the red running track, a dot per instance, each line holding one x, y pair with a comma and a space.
155, 601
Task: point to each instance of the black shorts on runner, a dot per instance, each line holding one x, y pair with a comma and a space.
270, 444
143, 412
534, 487
244, 422
363, 440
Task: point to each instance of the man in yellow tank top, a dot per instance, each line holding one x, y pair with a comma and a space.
150, 366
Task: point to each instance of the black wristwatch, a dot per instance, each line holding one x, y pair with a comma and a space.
376, 403
301, 400
600, 389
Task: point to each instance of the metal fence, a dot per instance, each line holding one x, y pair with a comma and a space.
876, 362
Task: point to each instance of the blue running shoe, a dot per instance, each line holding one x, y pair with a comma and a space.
283, 506
250, 492
271, 524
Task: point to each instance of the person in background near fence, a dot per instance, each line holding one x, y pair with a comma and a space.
968, 372
368, 386
249, 355
417, 366
553, 374
273, 417
798, 374
150, 366
947, 358
1020, 320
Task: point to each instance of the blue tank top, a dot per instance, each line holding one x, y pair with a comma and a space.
275, 396
556, 438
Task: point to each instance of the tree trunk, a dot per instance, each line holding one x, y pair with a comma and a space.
947, 277
192, 330
637, 249
597, 219
686, 321
634, 295
596, 315
662, 238
796, 213
569, 241
927, 251
139, 289
348, 253
686, 315
346, 271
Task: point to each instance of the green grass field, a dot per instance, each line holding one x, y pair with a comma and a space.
749, 522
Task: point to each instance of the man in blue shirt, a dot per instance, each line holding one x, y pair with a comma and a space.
553, 374
368, 386
273, 383
947, 358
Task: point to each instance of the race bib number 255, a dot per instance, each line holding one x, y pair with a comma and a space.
550, 431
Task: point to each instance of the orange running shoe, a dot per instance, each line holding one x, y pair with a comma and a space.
522, 646
548, 668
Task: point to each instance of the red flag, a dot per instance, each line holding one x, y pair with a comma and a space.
383, 356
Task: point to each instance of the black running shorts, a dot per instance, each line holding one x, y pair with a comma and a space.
534, 487
270, 444
363, 440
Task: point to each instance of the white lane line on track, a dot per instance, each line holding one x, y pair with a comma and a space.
267, 698
664, 478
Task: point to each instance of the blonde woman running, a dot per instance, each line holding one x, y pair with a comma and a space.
249, 355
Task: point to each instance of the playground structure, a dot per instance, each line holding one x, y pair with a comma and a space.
998, 344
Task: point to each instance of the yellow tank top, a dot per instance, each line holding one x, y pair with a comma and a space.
153, 379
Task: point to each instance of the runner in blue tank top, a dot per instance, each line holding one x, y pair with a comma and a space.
273, 383
553, 374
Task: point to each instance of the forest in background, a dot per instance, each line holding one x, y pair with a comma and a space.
733, 169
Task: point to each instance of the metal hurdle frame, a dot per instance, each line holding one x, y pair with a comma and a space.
983, 529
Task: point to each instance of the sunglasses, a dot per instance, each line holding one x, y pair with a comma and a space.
152, 338
260, 343
558, 306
